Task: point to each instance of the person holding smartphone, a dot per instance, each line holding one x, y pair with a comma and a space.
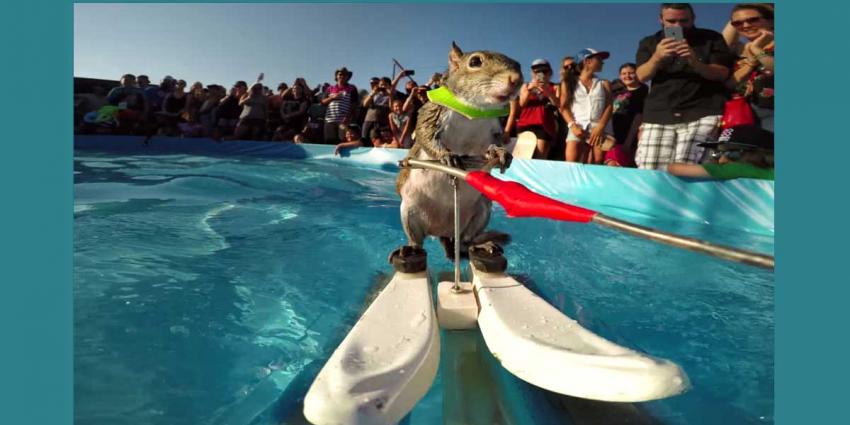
377, 105
537, 100
687, 66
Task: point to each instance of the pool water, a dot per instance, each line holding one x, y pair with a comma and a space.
208, 290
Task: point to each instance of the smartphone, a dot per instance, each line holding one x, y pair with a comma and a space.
260, 77
539, 76
408, 72
674, 33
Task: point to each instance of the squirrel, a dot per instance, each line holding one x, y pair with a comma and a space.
479, 81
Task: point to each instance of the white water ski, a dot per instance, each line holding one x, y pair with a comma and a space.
385, 364
542, 346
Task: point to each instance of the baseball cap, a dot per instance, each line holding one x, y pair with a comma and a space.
540, 62
747, 137
586, 53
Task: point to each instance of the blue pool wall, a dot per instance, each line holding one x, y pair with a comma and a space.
645, 196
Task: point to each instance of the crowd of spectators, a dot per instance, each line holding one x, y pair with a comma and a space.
322, 114
662, 109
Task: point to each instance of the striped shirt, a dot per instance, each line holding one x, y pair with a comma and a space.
339, 109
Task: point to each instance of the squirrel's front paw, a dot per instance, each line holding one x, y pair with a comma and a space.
500, 156
450, 159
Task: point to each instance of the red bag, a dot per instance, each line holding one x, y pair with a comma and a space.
737, 112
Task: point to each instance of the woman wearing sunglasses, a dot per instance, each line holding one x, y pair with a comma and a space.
753, 75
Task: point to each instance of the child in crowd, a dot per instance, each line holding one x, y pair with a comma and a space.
586, 107
741, 152
385, 139
617, 157
352, 139
401, 125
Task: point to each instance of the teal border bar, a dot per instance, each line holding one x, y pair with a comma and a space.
36, 303
37, 238
811, 217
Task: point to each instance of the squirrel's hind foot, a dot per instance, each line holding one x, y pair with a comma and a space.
409, 259
488, 257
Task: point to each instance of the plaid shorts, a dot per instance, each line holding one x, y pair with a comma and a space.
661, 144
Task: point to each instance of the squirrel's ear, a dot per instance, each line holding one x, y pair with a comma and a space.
454, 56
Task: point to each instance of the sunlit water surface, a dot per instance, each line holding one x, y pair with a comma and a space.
203, 286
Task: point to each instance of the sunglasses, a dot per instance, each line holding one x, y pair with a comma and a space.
731, 154
740, 23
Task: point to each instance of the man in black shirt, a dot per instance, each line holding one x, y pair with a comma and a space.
686, 99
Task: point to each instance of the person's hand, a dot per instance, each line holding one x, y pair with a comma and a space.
546, 89
684, 51
597, 136
666, 49
764, 39
749, 56
506, 138
337, 148
577, 131
536, 86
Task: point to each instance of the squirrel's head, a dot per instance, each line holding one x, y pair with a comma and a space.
483, 78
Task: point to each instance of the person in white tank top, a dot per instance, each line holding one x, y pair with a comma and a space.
587, 107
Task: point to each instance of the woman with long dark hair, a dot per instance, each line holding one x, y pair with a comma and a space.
586, 106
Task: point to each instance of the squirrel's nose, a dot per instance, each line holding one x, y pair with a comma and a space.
514, 80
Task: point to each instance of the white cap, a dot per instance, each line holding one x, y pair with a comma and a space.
540, 62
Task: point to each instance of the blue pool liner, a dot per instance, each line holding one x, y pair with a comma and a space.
646, 197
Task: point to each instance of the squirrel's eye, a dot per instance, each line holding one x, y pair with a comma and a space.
475, 62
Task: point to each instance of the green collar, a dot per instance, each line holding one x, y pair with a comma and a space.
442, 96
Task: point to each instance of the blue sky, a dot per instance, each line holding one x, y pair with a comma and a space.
222, 43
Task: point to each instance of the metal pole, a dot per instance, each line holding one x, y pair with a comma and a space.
456, 287
433, 165
692, 244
